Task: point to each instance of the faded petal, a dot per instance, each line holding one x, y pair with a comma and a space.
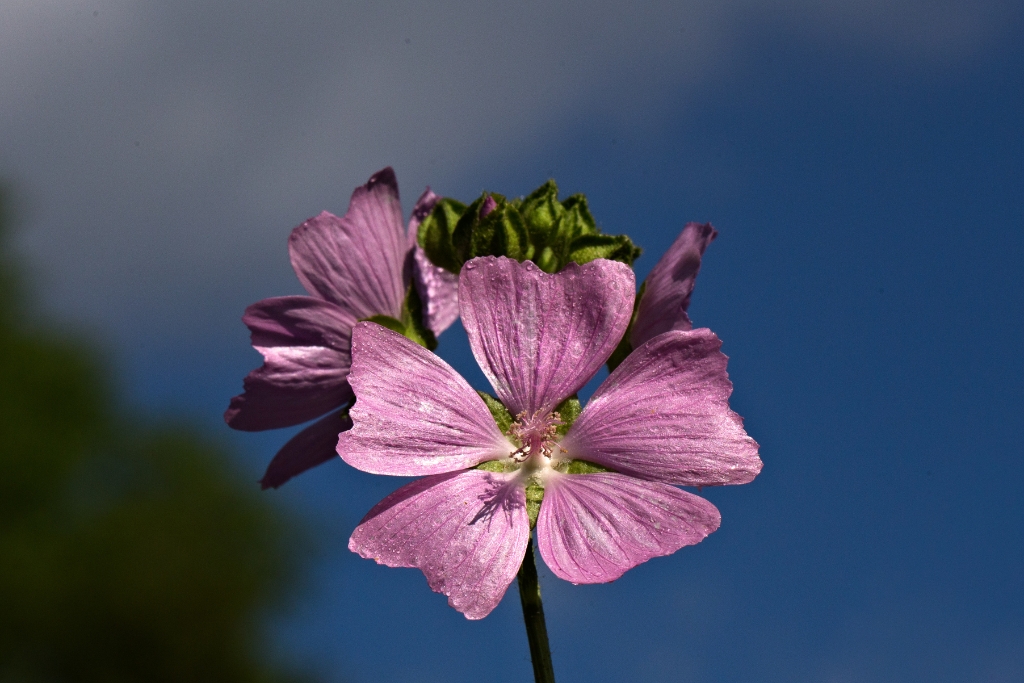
305, 346
356, 261
663, 414
466, 531
313, 446
670, 284
594, 527
414, 414
540, 337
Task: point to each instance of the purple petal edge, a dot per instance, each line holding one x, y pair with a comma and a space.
313, 446
670, 284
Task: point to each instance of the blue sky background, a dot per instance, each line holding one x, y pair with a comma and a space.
865, 170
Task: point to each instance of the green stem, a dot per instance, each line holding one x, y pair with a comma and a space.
533, 615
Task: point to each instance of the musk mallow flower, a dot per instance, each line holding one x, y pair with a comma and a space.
609, 485
354, 267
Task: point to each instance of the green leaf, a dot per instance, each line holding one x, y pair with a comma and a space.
435, 234
499, 412
614, 247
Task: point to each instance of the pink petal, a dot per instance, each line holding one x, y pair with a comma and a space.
663, 414
540, 337
594, 527
466, 531
313, 446
439, 292
294, 385
670, 284
356, 261
414, 414
305, 345
438, 289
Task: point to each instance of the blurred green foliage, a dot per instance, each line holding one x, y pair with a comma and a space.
127, 552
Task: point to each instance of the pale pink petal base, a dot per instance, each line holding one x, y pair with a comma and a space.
540, 337
594, 527
313, 446
664, 415
466, 531
414, 414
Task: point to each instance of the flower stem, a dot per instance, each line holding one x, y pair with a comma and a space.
533, 615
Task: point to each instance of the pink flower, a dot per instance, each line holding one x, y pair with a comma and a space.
353, 267
610, 501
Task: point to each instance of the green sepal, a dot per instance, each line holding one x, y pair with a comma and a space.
499, 412
435, 234
534, 497
538, 227
613, 247
388, 322
568, 410
502, 232
411, 325
582, 467
625, 346
507, 465
412, 316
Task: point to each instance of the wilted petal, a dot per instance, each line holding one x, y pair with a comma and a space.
305, 345
663, 414
466, 531
594, 527
414, 414
670, 284
540, 337
313, 446
356, 261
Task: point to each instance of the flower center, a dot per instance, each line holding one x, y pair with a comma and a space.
537, 434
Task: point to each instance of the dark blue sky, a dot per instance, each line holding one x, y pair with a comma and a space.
867, 285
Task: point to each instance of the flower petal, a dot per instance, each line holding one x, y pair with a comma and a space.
313, 446
663, 414
670, 284
438, 290
305, 345
466, 531
594, 527
356, 261
540, 337
414, 414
